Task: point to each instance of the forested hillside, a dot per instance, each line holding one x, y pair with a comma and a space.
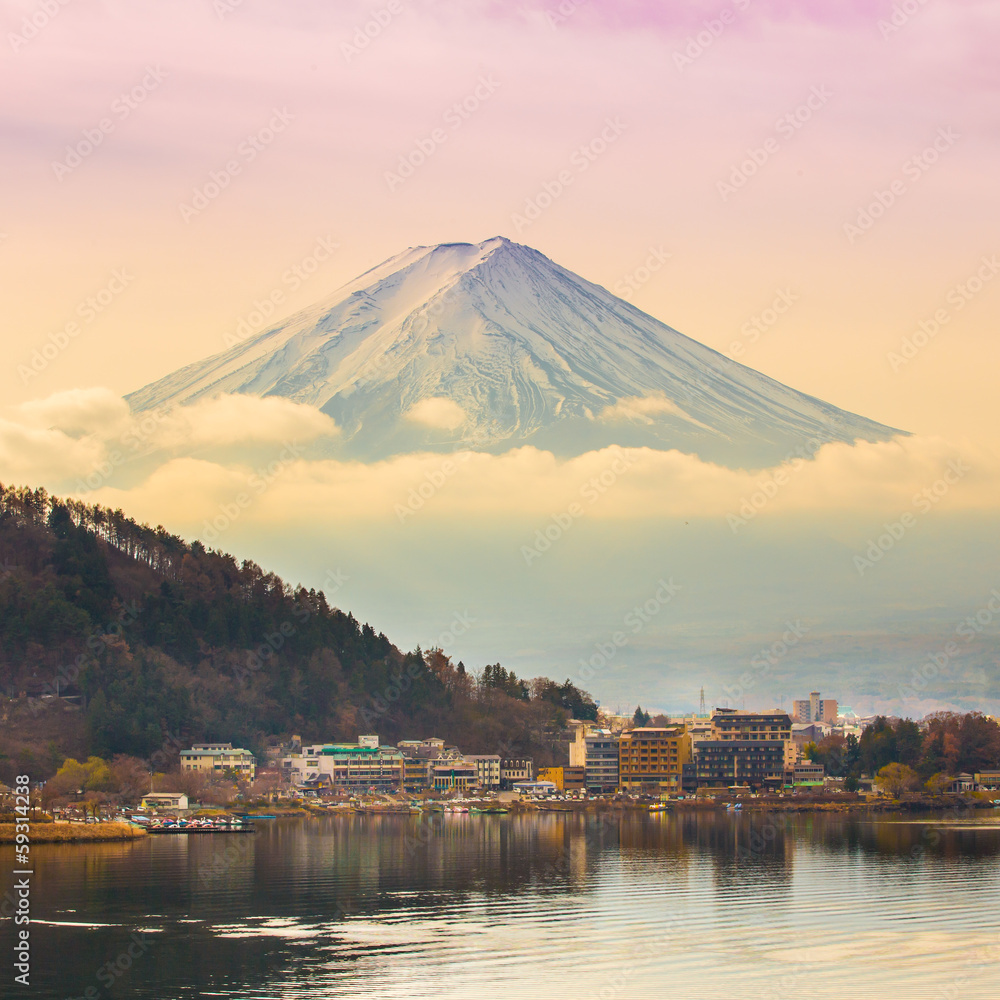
118, 638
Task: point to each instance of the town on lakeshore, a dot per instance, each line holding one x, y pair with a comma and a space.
725, 758
726, 752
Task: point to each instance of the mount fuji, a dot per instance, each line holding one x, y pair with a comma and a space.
491, 346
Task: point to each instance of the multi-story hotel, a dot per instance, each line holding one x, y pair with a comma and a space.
487, 769
460, 774
361, 766
731, 724
725, 763
417, 774
652, 759
601, 761
419, 758
218, 759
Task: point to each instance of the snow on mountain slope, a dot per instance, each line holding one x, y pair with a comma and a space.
493, 345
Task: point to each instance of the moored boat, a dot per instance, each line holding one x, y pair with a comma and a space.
229, 825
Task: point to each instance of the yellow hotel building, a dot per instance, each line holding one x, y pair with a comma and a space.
651, 760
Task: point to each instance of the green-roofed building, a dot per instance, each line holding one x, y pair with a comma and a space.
358, 767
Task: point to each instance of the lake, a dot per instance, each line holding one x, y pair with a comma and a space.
550, 905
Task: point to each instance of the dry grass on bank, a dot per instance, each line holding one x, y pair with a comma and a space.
70, 833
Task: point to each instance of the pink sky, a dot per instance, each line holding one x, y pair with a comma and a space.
641, 113
556, 75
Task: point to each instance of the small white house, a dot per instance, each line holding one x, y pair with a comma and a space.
165, 800
961, 783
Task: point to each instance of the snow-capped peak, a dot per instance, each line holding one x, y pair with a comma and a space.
492, 344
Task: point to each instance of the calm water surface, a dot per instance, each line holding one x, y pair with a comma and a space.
503, 906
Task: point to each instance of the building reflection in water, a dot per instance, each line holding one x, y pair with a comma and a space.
240, 911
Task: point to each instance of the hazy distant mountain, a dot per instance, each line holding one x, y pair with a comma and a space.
493, 345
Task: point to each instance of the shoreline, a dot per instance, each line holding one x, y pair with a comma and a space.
671, 806
117, 832
73, 833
